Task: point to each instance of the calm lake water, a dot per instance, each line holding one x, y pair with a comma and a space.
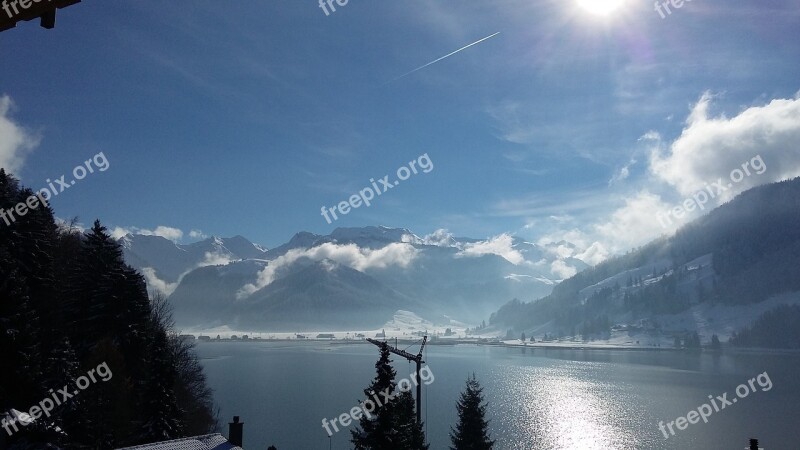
538, 398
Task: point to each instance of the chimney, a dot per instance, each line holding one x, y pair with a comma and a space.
235, 432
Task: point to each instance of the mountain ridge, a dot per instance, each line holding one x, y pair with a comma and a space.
744, 252
436, 275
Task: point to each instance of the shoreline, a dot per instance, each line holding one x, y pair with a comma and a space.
536, 345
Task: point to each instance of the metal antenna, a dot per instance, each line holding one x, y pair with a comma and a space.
417, 359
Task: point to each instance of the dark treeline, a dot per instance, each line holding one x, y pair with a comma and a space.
777, 328
754, 241
68, 304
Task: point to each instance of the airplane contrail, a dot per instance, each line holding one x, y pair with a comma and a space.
443, 57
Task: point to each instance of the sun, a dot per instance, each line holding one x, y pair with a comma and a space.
600, 7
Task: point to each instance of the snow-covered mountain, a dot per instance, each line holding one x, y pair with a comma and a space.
351, 277
714, 276
168, 261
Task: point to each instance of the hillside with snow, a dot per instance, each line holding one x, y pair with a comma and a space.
351, 278
716, 275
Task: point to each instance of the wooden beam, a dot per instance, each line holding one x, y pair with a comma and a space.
13, 11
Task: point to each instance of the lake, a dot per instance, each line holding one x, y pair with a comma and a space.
538, 398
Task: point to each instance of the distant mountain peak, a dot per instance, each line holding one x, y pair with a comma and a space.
170, 260
380, 232
352, 270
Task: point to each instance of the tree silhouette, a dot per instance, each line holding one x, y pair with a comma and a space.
392, 424
472, 430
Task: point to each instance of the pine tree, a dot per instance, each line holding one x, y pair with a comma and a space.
377, 432
409, 432
192, 394
20, 350
472, 430
162, 416
392, 425
715, 342
107, 299
31, 334
68, 302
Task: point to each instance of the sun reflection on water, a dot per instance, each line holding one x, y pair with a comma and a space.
558, 408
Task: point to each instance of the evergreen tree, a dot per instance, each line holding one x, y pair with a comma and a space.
68, 302
693, 341
108, 298
192, 394
392, 425
409, 432
472, 430
19, 339
377, 432
715, 342
161, 412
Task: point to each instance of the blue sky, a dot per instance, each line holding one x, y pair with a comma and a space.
246, 117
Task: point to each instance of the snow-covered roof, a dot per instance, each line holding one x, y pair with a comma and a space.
208, 442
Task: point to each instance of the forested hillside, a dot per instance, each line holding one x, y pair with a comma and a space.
81, 340
742, 252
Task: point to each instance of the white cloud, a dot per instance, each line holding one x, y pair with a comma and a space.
633, 224
350, 255
15, 141
628, 226
439, 238
173, 234
562, 243
215, 259
153, 282
651, 135
562, 270
561, 250
709, 148
118, 232
512, 127
210, 259
622, 174
595, 254
197, 234
501, 245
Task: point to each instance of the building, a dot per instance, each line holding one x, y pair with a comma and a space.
214, 441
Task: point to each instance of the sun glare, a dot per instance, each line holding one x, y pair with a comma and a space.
600, 7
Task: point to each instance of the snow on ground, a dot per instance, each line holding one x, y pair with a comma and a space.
706, 319
402, 325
